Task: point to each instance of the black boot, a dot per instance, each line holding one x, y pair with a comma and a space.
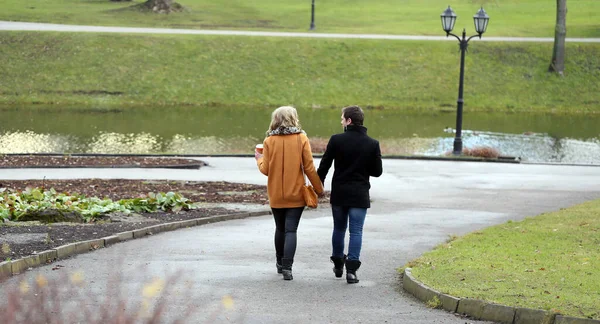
287, 269
351, 267
279, 265
338, 265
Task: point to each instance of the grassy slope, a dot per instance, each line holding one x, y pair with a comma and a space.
247, 71
546, 262
421, 17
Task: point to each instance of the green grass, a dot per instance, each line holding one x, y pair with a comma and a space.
418, 17
548, 262
104, 70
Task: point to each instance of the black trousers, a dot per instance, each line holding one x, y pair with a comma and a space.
286, 225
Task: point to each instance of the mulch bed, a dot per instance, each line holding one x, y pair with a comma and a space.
55, 235
39, 161
115, 189
13, 237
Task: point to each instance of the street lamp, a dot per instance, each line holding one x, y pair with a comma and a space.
481, 20
312, 16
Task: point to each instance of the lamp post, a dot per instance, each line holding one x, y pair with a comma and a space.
312, 16
481, 20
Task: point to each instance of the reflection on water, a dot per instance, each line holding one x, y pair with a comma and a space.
114, 143
530, 147
210, 145
235, 130
30, 142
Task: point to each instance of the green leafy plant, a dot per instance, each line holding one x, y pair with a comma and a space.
15, 205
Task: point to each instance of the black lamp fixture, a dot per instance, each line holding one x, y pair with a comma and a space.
481, 20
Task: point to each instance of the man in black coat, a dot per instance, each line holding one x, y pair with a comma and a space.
357, 157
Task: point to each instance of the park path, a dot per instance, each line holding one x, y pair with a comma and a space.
29, 26
416, 205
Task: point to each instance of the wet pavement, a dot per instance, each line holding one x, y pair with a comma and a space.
416, 205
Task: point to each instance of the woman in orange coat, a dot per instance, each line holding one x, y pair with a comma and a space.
285, 151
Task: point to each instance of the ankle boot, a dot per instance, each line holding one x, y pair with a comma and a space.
338, 265
351, 267
279, 265
287, 269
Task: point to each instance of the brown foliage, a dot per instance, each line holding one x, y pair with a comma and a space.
318, 144
482, 152
66, 300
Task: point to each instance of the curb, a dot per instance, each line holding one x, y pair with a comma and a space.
15, 267
483, 310
500, 159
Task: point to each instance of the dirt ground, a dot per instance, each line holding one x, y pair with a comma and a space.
28, 161
19, 239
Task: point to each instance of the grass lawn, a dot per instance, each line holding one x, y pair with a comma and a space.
106, 70
549, 262
415, 17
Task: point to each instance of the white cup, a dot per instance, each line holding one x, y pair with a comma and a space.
259, 148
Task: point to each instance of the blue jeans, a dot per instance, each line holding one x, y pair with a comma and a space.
341, 217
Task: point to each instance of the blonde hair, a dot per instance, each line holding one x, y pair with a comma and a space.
285, 116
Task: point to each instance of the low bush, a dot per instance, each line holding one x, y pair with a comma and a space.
482, 152
66, 300
18, 205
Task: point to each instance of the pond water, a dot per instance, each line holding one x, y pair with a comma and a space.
552, 138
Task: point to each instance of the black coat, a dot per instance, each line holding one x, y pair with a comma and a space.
357, 157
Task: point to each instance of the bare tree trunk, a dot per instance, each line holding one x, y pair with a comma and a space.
560, 33
160, 6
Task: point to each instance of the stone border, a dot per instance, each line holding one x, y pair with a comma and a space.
483, 310
15, 267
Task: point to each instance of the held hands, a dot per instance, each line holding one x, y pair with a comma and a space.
322, 194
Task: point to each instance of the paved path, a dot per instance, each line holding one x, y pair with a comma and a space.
9, 25
417, 204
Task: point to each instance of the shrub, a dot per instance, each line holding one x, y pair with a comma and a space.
482, 152
64, 300
318, 144
17, 205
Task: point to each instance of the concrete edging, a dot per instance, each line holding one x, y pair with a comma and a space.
15, 267
485, 311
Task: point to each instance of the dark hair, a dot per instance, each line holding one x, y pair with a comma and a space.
355, 113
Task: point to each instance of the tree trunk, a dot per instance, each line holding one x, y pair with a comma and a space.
160, 6
560, 33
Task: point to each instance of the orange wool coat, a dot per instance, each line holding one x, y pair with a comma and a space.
281, 160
